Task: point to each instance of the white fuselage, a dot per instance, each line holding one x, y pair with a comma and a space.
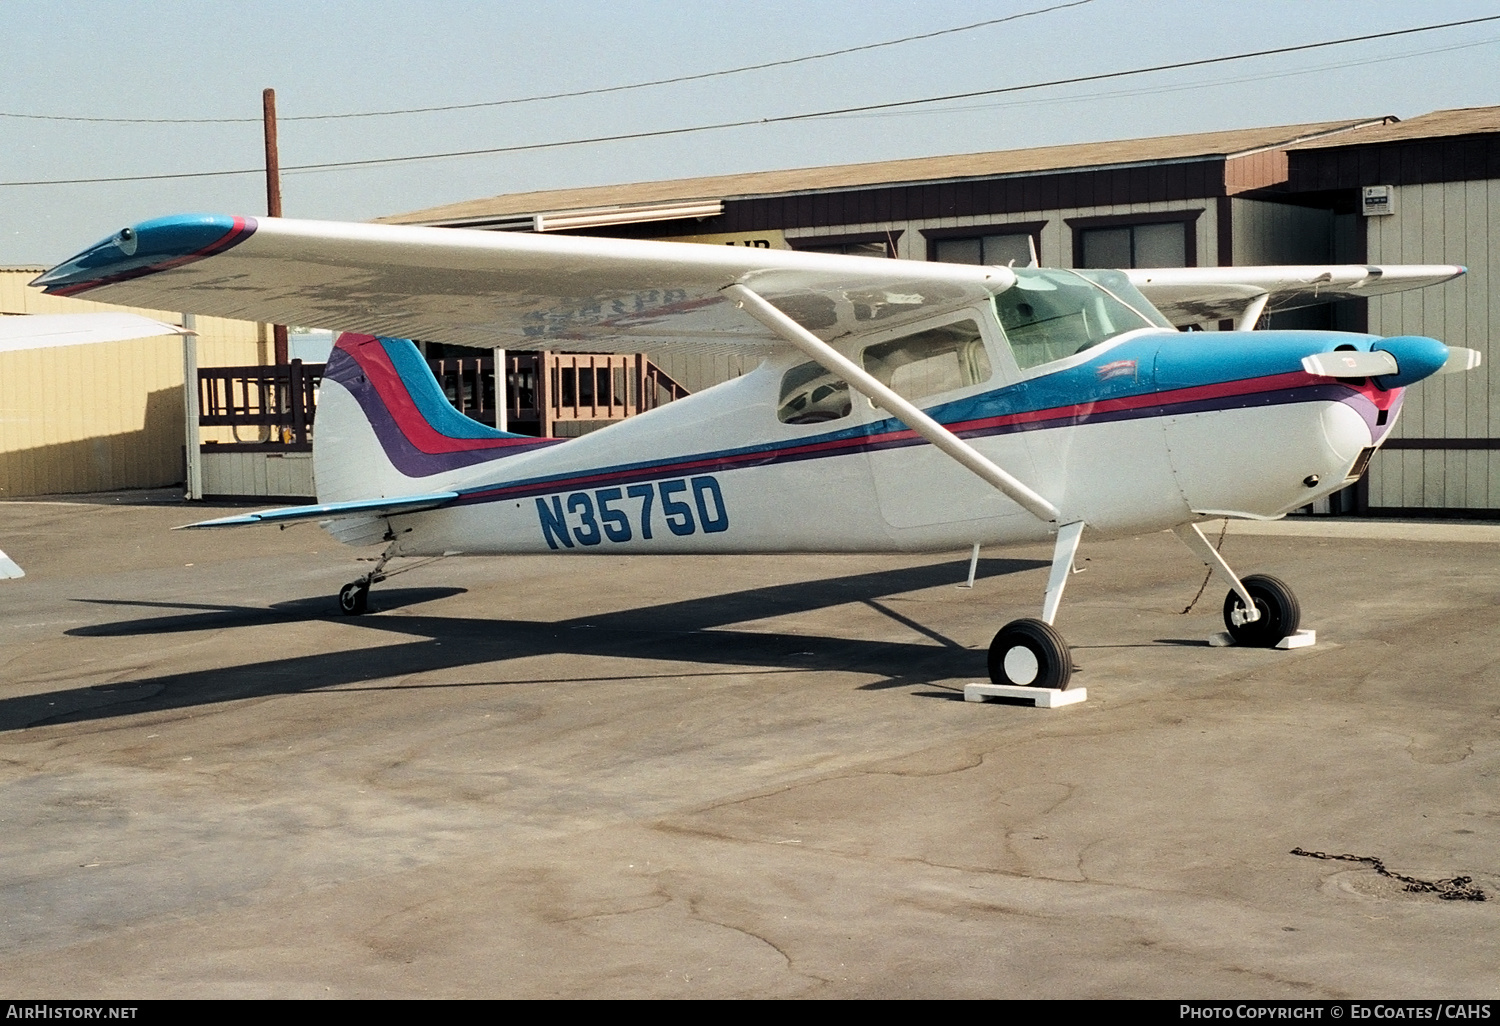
717, 472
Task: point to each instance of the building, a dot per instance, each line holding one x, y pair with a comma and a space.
101, 417
1297, 194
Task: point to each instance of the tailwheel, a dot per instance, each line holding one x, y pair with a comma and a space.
1280, 613
354, 598
1030, 653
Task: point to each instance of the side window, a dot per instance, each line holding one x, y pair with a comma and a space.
811, 395
932, 361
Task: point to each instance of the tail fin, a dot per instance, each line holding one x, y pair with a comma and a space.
384, 429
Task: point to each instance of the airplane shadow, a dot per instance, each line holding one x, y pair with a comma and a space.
691, 631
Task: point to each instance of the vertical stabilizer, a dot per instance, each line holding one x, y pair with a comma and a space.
385, 429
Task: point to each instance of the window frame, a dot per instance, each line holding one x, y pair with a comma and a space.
979, 231
1187, 218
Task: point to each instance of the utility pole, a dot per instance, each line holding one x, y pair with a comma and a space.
273, 201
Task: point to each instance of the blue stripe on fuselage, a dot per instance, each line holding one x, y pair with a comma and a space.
1187, 359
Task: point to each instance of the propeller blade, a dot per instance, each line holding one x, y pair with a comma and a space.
1350, 364
1460, 359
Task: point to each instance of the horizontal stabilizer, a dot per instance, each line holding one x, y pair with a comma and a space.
9, 569
331, 510
1350, 364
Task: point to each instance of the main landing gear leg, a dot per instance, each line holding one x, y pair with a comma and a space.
1030, 652
1260, 611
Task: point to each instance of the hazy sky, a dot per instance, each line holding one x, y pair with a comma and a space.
178, 59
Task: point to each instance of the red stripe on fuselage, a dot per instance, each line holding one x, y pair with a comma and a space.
1194, 393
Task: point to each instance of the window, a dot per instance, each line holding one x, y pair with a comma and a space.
995, 245
811, 395
1141, 245
991, 250
1048, 315
932, 361
1164, 239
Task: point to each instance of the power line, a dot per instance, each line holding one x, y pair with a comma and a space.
565, 95
1360, 62
781, 119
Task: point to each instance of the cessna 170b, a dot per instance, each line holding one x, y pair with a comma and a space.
898, 405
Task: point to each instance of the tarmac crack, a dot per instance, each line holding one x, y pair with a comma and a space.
697, 913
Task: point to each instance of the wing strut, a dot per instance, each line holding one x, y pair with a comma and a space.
1249, 317
834, 362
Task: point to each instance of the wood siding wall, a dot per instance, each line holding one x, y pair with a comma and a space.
1456, 222
1456, 158
1056, 236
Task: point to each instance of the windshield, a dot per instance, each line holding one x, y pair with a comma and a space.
1051, 314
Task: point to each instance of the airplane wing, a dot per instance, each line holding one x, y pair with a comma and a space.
1197, 295
44, 331
9, 569
500, 289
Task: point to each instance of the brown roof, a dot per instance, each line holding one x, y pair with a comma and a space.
1464, 121
920, 169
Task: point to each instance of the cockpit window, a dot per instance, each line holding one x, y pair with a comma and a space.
931, 361
811, 395
1051, 314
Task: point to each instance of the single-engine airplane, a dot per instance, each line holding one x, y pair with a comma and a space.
898, 405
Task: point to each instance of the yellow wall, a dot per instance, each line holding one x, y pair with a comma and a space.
107, 416
91, 418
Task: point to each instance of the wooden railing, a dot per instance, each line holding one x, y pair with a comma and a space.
543, 390
277, 405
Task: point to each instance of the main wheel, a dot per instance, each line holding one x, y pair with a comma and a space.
1030, 653
354, 598
1280, 614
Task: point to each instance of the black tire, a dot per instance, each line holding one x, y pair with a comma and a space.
1280, 613
1030, 653
354, 598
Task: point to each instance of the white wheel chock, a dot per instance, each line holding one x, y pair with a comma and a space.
1301, 639
1042, 698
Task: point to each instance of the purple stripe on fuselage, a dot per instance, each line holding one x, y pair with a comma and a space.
736, 460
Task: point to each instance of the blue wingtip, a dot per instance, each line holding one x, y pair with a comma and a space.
146, 248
